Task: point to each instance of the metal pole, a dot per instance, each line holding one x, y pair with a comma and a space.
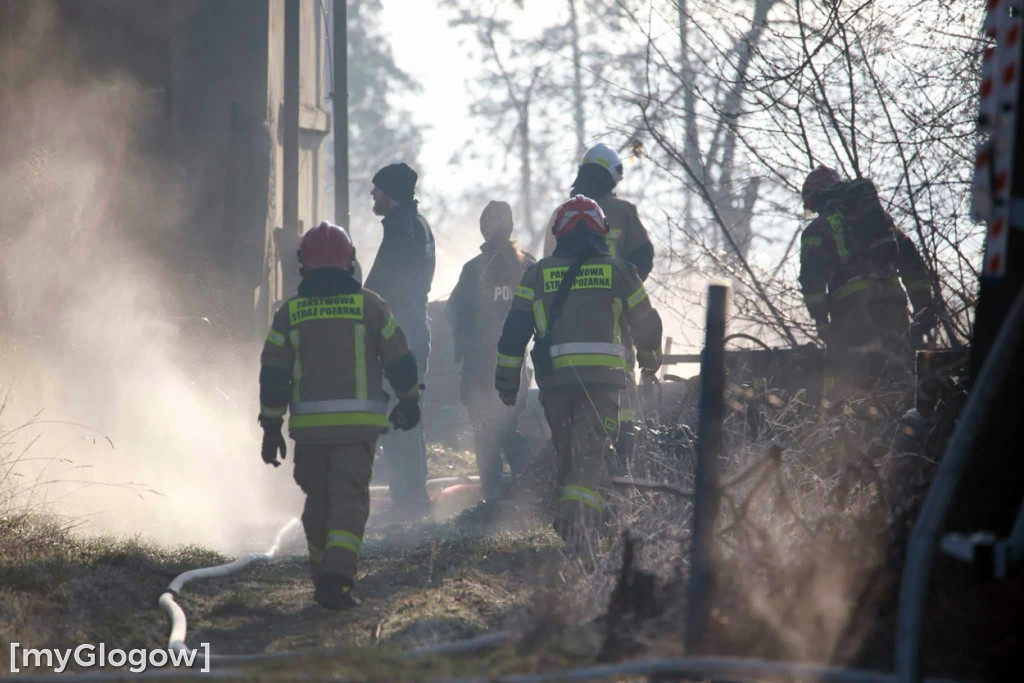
709, 444
339, 102
290, 122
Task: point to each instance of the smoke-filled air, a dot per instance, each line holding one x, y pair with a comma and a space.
514, 341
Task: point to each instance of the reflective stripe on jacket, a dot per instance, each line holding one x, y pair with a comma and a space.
336, 349
588, 341
832, 278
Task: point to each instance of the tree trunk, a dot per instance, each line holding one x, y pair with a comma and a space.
577, 82
736, 207
691, 146
525, 179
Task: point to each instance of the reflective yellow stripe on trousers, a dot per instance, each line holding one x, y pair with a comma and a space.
580, 494
339, 538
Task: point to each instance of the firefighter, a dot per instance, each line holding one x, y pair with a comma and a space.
579, 329
599, 172
857, 270
402, 274
323, 361
476, 310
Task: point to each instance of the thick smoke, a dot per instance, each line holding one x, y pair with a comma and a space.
105, 322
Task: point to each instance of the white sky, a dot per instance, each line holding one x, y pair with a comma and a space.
438, 56
426, 47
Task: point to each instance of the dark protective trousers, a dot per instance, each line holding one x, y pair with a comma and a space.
584, 425
496, 433
868, 349
336, 481
405, 452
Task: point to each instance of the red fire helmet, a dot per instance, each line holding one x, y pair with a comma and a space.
579, 211
326, 246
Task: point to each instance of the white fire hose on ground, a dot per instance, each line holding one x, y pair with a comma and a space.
176, 615
179, 624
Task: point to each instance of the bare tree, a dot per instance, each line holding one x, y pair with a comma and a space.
863, 88
540, 93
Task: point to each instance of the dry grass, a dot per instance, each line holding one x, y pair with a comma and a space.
801, 533
447, 462
801, 552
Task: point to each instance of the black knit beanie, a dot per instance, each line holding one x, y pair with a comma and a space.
397, 181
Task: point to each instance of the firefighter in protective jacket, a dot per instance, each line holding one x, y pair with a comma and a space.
476, 310
578, 354
599, 172
324, 359
856, 272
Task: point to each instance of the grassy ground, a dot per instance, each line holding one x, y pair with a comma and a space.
803, 574
418, 585
59, 589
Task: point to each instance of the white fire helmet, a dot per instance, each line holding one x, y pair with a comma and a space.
603, 155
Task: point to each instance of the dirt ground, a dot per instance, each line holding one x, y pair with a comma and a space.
419, 585
438, 582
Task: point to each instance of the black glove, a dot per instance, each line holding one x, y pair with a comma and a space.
273, 441
406, 414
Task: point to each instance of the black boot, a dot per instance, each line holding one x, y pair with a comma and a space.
334, 592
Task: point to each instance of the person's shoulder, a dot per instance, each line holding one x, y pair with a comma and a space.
372, 299
818, 224
473, 264
612, 204
620, 265
550, 262
288, 302
283, 314
616, 201
546, 262
414, 212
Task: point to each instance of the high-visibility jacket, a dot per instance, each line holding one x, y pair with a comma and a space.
627, 237
606, 299
324, 360
836, 281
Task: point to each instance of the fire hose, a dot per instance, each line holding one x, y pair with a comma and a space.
176, 615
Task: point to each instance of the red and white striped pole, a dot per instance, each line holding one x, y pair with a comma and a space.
997, 116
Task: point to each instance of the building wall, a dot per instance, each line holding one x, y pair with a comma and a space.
189, 168
223, 146
314, 123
